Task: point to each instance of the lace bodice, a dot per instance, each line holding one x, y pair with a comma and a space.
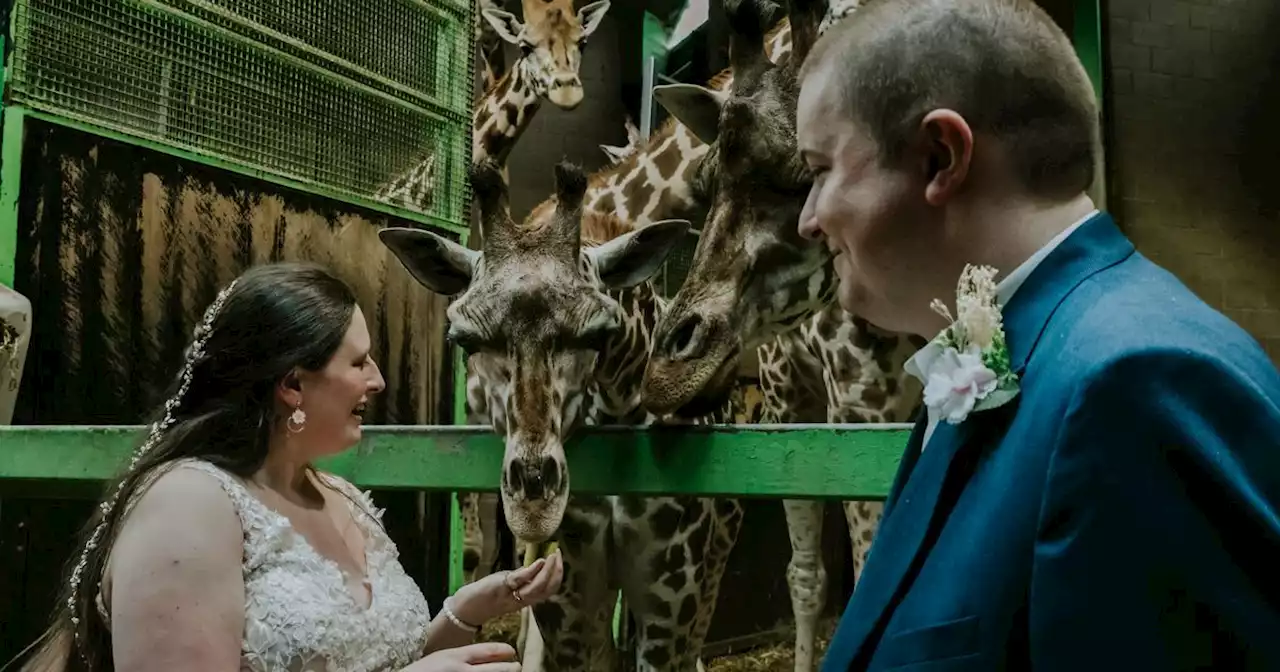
299, 614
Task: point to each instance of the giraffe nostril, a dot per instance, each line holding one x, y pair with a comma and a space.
550, 474
687, 337
534, 486
515, 480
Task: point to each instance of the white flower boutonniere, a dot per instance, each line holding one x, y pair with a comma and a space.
968, 367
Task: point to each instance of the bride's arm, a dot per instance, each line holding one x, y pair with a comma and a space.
491, 597
177, 592
444, 633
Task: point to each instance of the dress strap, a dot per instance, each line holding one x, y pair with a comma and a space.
362, 507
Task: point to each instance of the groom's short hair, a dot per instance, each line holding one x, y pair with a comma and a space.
1004, 65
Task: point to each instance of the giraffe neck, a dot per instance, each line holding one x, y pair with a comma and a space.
504, 113
497, 120
493, 57
623, 360
653, 183
801, 294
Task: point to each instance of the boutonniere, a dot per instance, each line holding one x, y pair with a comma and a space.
969, 367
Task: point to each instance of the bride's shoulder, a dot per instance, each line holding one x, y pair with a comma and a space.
189, 495
182, 524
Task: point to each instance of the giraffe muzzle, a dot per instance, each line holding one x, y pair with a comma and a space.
535, 492
566, 93
534, 479
690, 365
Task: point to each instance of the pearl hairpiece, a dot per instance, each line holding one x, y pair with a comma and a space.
199, 338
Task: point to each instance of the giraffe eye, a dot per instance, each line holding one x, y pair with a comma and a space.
595, 339
470, 342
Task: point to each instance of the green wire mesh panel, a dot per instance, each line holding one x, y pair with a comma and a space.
349, 97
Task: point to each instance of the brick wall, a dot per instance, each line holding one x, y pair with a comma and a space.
1194, 133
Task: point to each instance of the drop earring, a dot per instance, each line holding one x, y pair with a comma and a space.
296, 420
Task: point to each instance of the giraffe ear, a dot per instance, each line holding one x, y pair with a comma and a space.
615, 154
591, 15
697, 107
630, 259
504, 23
437, 263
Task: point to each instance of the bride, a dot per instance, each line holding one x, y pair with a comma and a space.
222, 548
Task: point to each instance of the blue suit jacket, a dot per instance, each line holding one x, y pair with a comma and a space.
1119, 514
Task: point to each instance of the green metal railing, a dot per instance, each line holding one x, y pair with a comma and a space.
757, 461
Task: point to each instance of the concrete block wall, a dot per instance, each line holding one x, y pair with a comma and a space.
576, 135
1192, 147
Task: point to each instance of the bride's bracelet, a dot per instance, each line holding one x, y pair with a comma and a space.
453, 618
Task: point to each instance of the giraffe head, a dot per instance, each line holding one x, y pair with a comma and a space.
538, 322
551, 39
752, 274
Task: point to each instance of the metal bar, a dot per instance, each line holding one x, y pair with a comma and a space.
10, 184
1087, 38
760, 461
457, 533
646, 97
174, 149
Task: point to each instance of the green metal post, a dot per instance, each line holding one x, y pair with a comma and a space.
457, 534
10, 182
1087, 37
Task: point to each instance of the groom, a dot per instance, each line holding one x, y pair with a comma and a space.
1122, 510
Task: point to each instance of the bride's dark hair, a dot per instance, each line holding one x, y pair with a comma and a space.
221, 408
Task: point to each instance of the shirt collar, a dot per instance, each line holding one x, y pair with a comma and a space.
1006, 288
919, 362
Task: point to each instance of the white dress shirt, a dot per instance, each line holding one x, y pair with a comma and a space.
1004, 291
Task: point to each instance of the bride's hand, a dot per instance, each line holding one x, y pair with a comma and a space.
505, 592
487, 657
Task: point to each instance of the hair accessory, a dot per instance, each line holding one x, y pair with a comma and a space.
194, 354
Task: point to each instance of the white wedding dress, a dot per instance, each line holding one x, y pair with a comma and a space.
299, 614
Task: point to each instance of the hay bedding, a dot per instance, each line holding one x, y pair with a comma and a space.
779, 656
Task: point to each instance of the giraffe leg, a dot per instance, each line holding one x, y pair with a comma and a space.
728, 523
788, 372
863, 518
479, 509
806, 575
487, 505
671, 556
575, 623
469, 509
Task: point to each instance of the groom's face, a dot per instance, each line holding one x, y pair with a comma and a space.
872, 216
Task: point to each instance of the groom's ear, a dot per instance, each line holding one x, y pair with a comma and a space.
945, 152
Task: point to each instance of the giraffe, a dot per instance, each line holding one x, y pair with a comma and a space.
551, 40
754, 283
657, 181
556, 320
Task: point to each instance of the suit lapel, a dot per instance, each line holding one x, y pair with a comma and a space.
923, 502
915, 444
